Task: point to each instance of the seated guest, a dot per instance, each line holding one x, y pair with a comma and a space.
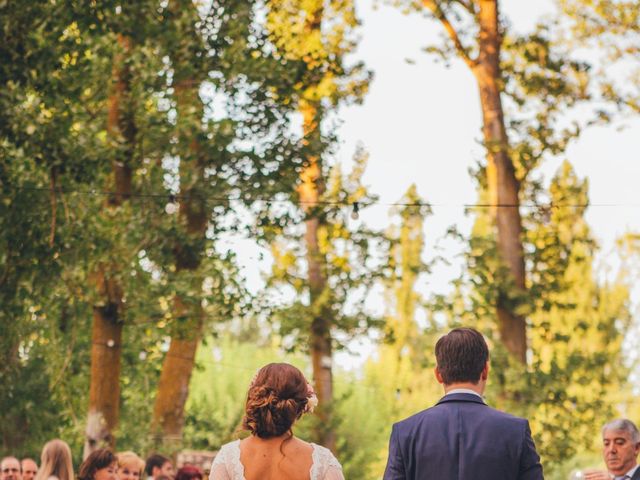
278, 396
158, 465
101, 464
10, 469
189, 472
620, 448
130, 466
55, 462
29, 468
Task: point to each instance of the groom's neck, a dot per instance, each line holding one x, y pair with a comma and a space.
476, 387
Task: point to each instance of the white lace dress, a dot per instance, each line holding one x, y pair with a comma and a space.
227, 465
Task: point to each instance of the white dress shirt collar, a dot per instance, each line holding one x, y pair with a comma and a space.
462, 390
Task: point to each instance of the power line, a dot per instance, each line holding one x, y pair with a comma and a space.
176, 197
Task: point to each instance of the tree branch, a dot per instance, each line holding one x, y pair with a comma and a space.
468, 5
434, 6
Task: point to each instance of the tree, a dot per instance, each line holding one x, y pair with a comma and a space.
348, 266
401, 375
74, 142
568, 376
610, 31
475, 33
316, 36
502, 184
402, 369
245, 153
106, 344
49, 120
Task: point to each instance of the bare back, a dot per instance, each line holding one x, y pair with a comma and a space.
276, 460
257, 459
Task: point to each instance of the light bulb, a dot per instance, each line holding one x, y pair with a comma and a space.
354, 213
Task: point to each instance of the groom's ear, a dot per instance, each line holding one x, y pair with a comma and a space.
438, 375
485, 371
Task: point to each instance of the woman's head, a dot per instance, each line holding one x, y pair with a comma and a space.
278, 396
189, 472
130, 466
55, 461
101, 464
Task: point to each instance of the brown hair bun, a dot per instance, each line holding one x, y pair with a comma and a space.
277, 397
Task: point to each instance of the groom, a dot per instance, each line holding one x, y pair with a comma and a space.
461, 438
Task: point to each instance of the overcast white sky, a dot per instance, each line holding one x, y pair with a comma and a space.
421, 123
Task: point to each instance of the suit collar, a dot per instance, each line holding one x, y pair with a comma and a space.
461, 397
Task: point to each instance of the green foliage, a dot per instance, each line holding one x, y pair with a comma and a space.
609, 31
541, 85
575, 378
349, 262
57, 154
579, 384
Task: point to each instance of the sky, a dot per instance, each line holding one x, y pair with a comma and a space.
421, 123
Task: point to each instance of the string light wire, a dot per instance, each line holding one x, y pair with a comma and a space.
356, 206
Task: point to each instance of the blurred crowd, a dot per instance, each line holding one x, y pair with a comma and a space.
56, 463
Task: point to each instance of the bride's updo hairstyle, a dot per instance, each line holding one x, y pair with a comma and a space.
278, 396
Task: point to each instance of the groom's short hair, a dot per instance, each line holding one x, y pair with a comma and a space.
461, 356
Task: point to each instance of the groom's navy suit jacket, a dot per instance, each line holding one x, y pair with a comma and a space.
461, 438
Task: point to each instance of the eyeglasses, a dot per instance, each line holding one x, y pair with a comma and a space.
7, 470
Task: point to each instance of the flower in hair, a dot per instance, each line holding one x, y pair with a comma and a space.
312, 399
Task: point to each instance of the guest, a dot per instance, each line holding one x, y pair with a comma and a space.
55, 462
277, 397
10, 469
158, 465
130, 466
189, 472
29, 468
620, 448
101, 464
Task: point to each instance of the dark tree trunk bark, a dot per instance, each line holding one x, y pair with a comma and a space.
104, 390
320, 343
503, 185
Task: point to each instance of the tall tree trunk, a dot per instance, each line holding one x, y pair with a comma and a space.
104, 391
173, 388
503, 185
310, 189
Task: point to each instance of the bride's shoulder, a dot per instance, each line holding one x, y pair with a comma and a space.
228, 450
325, 465
231, 445
324, 456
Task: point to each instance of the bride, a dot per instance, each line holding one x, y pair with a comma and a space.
277, 397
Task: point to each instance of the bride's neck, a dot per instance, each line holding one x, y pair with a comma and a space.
279, 439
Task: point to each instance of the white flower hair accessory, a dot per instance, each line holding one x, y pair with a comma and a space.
312, 399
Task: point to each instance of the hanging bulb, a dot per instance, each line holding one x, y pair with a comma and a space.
354, 214
171, 207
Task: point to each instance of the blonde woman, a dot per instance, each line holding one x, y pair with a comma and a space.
130, 466
55, 462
